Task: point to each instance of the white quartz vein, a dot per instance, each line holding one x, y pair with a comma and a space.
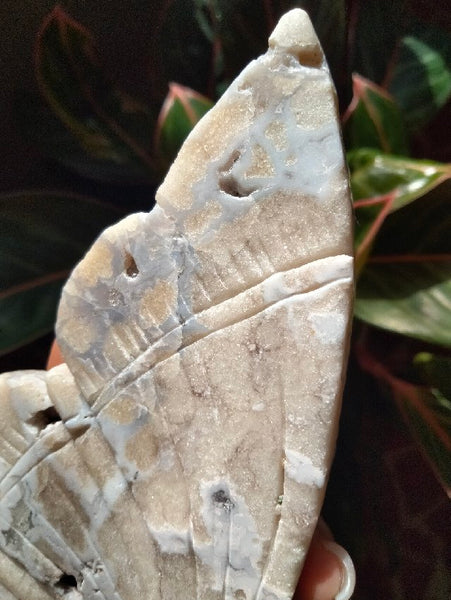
301, 468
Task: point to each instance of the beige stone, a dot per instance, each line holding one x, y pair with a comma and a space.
183, 450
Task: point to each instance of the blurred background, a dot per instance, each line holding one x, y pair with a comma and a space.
85, 140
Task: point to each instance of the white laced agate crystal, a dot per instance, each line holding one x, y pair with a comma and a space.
183, 449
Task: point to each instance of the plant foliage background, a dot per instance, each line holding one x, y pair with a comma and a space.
111, 145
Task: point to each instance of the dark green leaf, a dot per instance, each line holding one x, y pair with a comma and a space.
373, 120
419, 228
42, 236
182, 109
374, 174
382, 184
108, 125
421, 79
406, 284
412, 298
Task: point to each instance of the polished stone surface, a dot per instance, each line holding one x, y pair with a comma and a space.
182, 451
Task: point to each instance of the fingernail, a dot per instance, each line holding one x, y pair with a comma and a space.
347, 570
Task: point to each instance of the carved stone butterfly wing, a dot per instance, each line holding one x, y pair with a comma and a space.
183, 449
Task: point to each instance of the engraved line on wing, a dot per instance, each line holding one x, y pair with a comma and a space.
63, 492
69, 553
346, 280
38, 555
9, 582
55, 535
102, 494
229, 555
130, 487
6, 443
13, 442
333, 283
129, 490
281, 489
46, 441
43, 521
6, 446
39, 451
193, 329
46, 452
11, 438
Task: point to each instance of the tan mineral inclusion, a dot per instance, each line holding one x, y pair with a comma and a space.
182, 451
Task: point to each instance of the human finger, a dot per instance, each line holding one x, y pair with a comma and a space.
55, 357
328, 572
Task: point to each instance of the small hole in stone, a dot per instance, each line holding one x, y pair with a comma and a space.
309, 57
220, 497
230, 186
228, 183
45, 417
231, 161
66, 581
130, 266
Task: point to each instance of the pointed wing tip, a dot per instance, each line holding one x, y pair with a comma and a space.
295, 35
